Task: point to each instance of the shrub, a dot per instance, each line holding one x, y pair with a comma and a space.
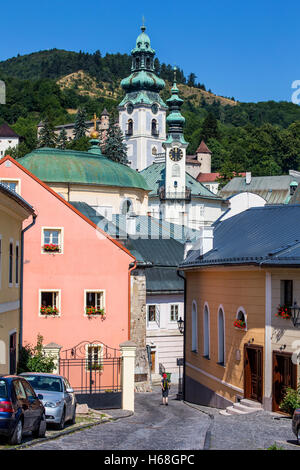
33, 358
291, 400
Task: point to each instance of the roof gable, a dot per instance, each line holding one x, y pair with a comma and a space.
6, 131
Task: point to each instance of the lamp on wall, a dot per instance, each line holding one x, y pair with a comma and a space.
180, 324
295, 314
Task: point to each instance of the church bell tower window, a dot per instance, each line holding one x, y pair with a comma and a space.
129, 127
154, 128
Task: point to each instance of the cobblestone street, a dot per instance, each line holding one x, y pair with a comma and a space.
180, 426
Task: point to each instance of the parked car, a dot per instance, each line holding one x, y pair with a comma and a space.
20, 409
296, 424
57, 396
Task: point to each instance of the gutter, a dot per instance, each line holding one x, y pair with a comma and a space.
184, 333
34, 216
132, 266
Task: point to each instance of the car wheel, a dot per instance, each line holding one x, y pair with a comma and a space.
16, 437
73, 420
41, 430
61, 424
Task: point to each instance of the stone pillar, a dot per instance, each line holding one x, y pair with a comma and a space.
53, 349
128, 349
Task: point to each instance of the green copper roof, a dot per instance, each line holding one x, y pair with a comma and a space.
143, 43
143, 97
142, 80
68, 166
155, 178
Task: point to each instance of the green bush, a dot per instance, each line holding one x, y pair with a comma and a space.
291, 400
33, 358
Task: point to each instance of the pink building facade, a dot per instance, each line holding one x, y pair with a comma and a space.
76, 278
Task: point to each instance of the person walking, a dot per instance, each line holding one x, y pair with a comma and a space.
165, 386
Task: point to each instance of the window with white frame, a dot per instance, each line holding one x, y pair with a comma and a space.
221, 337
206, 340
49, 302
17, 264
10, 268
194, 327
151, 313
174, 312
52, 240
94, 302
94, 355
11, 184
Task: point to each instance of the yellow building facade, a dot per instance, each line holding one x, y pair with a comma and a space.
13, 211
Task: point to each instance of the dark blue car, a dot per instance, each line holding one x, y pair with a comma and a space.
20, 409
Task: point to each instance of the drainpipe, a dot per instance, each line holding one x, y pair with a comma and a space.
184, 332
34, 216
132, 266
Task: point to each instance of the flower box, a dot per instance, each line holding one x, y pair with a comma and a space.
49, 310
240, 324
95, 366
283, 312
94, 311
51, 248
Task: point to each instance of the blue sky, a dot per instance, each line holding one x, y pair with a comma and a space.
246, 49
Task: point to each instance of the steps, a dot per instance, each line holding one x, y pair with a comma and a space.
242, 407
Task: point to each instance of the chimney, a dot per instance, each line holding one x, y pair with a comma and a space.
206, 239
248, 177
203, 244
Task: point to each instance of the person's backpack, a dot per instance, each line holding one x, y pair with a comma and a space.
166, 385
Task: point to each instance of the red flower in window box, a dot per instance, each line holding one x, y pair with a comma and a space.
49, 310
240, 324
93, 311
51, 247
283, 312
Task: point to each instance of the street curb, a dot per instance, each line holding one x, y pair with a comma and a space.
66, 432
207, 439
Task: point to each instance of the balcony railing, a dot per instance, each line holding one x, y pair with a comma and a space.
183, 195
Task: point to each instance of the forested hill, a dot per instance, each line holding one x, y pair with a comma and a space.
260, 137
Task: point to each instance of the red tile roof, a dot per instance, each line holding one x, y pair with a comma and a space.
203, 148
6, 131
207, 177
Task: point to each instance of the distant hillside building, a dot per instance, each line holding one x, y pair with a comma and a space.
200, 162
8, 138
102, 125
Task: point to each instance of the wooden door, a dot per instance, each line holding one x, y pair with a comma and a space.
284, 375
253, 368
153, 361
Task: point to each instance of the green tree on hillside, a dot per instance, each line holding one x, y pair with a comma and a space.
114, 146
62, 139
47, 137
210, 128
80, 126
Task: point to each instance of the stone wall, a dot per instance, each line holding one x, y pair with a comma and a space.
138, 329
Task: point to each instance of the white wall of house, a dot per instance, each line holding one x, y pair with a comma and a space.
163, 335
6, 142
243, 201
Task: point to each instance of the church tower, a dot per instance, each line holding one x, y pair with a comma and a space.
142, 112
175, 146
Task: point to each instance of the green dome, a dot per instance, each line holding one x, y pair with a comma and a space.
142, 80
175, 118
143, 43
68, 166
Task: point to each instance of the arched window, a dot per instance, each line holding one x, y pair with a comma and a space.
126, 206
241, 319
194, 328
137, 62
154, 129
129, 127
206, 341
221, 336
148, 62
176, 170
154, 151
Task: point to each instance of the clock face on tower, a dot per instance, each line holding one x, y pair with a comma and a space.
176, 154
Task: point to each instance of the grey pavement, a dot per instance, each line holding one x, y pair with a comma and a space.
152, 427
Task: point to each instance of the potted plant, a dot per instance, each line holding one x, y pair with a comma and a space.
283, 312
49, 310
93, 311
51, 248
240, 324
